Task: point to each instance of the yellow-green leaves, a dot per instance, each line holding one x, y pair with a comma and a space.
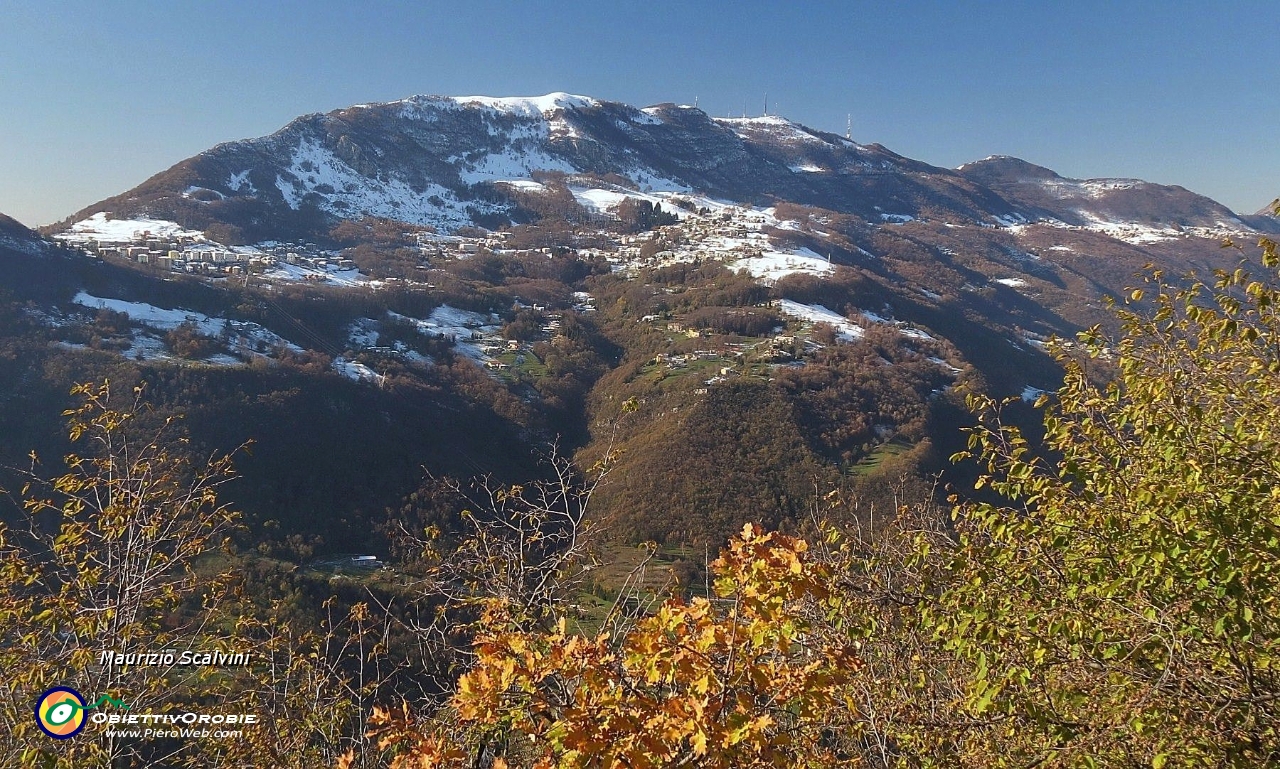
1132, 581
104, 562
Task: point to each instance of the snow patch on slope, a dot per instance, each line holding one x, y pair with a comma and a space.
363, 332
355, 371
650, 181
239, 334
771, 265
1138, 233
778, 128
330, 275
240, 183
25, 245
518, 161
525, 185
99, 227
602, 201
1086, 188
346, 192
648, 116
460, 324
1032, 394
816, 313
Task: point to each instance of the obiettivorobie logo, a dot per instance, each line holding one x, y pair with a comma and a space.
60, 712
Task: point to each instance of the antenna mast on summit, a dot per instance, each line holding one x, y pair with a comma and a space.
848, 127
766, 103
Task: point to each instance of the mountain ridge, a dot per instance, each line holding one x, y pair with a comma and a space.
441, 161
448, 162
1082, 202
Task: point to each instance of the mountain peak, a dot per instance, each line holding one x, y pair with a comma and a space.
559, 100
529, 106
435, 160
1005, 168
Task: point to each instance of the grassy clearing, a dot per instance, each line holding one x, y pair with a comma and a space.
522, 362
897, 446
639, 577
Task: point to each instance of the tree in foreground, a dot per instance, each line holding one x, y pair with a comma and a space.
106, 561
1120, 607
120, 553
736, 681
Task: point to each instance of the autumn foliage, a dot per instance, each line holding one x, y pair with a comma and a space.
736, 681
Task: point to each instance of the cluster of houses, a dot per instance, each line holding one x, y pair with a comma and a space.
778, 349
680, 360
196, 254
432, 245
491, 344
727, 236
307, 255
180, 253
346, 562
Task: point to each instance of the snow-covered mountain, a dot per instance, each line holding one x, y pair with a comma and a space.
454, 161
1130, 209
449, 162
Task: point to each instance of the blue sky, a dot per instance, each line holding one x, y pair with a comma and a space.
96, 96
